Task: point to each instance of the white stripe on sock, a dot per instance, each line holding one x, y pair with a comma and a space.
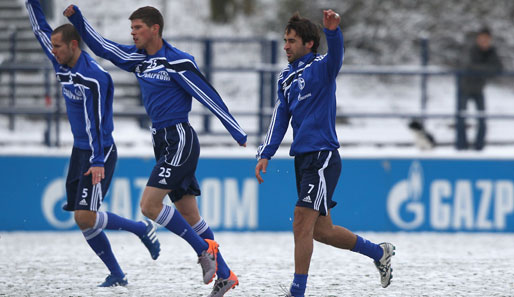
165, 215
200, 227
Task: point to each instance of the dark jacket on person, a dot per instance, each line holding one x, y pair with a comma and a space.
479, 66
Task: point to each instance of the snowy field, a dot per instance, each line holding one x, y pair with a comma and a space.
426, 264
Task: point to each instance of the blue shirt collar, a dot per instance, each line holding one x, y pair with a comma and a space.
160, 52
300, 62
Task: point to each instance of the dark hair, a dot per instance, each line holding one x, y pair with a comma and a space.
150, 16
304, 28
69, 33
484, 30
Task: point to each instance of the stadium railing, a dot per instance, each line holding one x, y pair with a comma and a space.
267, 72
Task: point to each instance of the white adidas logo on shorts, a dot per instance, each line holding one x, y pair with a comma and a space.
307, 199
163, 181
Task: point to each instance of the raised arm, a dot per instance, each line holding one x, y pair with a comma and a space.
334, 58
186, 73
41, 29
124, 56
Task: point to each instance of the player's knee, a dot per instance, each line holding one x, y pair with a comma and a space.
302, 219
302, 229
148, 209
144, 208
85, 219
298, 225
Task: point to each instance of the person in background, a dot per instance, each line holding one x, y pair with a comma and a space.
88, 93
481, 63
169, 78
307, 99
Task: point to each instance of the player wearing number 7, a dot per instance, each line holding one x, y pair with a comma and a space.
306, 97
169, 79
88, 93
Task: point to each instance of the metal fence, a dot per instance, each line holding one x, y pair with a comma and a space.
267, 72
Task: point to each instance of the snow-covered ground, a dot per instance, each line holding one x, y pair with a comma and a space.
426, 264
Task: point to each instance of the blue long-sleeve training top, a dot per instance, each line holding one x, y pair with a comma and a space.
168, 79
87, 90
306, 96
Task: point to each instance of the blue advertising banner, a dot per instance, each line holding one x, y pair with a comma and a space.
374, 194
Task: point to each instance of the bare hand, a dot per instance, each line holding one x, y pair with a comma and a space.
261, 166
331, 19
97, 174
69, 11
243, 145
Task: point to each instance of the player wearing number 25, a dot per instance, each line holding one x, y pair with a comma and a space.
88, 92
169, 79
306, 97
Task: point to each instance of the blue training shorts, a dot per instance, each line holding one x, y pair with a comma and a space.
80, 192
317, 174
176, 150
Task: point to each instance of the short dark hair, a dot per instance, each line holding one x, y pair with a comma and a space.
304, 28
68, 32
150, 16
484, 30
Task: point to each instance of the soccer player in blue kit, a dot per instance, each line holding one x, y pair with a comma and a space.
306, 96
88, 94
169, 78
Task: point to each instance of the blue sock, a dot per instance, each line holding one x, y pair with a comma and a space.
202, 229
111, 221
98, 241
299, 284
368, 248
173, 221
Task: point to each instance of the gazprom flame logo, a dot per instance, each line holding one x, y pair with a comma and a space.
404, 204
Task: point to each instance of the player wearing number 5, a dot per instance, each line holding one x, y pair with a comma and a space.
88, 93
306, 97
169, 79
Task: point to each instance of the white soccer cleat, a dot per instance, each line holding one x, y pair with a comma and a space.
384, 264
208, 260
